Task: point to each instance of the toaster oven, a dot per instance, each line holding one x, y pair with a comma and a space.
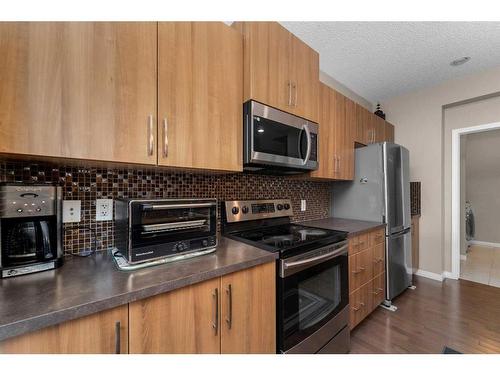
150, 229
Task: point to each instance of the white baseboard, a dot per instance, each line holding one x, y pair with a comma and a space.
429, 275
463, 256
483, 243
449, 275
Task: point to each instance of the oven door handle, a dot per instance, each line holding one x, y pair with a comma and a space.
155, 207
315, 260
309, 143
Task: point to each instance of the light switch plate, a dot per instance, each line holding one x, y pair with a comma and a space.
302, 204
72, 211
103, 209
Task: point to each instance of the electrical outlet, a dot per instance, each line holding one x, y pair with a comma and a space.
302, 204
103, 209
72, 211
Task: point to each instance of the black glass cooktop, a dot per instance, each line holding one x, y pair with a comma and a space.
289, 237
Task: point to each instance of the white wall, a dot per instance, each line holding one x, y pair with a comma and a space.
483, 182
418, 120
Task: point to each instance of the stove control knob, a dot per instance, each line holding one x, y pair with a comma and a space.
279, 206
235, 210
244, 209
287, 206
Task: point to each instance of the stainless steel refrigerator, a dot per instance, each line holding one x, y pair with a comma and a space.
381, 192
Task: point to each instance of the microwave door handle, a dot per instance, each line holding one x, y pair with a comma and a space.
309, 142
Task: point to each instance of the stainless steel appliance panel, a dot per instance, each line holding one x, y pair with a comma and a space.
276, 140
362, 198
399, 264
397, 187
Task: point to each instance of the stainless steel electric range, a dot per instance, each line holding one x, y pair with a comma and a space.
312, 274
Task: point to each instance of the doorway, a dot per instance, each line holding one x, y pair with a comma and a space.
474, 258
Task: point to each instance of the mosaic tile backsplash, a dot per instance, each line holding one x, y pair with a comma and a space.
90, 183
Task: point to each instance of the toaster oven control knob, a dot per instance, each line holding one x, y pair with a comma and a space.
204, 243
180, 246
279, 206
287, 206
244, 209
235, 210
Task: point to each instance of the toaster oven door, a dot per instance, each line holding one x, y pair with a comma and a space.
163, 222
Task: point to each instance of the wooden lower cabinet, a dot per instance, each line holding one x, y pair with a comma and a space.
232, 314
248, 300
366, 274
101, 333
185, 320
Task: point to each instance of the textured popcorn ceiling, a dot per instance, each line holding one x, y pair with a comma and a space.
380, 60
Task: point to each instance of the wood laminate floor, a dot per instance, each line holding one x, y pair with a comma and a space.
460, 314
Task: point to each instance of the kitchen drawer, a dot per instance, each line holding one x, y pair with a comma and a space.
378, 290
358, 243
360, 269
378, 252
360, 302
377, 237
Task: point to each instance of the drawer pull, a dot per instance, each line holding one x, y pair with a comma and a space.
378, 291
361, 269
378, 260
361, 304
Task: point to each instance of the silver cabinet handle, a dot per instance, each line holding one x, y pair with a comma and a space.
165, 138
289, 85
294, 87
229, 318
150, 136
117, 337
334, 164
215, 324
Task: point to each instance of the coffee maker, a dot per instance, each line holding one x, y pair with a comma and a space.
30, 228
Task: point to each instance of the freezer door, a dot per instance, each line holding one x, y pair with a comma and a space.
397, 187
398, 263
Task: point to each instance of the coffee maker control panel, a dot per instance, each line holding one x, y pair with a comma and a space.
27, 201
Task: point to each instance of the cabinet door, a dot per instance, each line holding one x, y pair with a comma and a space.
101, 333
79, 90
266, 63
249, 311
200, 88
186, 320
378, 259
304, 73
360, 303
344, 137
378, 286
326, 136
389, 132
360, 268
364, 126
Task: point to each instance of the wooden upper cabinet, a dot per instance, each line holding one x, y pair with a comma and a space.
389, 132
200, 96
326, 136
304, 73
336, 135
279, 69
101, 333
248, 308
79, 90
186, 320
346, 151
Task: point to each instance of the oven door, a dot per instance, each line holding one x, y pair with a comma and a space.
277, 138
312, 294
163, 222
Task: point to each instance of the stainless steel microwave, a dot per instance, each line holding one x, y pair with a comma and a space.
279, 141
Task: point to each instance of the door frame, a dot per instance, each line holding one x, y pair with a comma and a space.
455, 190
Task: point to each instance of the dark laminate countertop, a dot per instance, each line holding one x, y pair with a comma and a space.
354, 227
83, 286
